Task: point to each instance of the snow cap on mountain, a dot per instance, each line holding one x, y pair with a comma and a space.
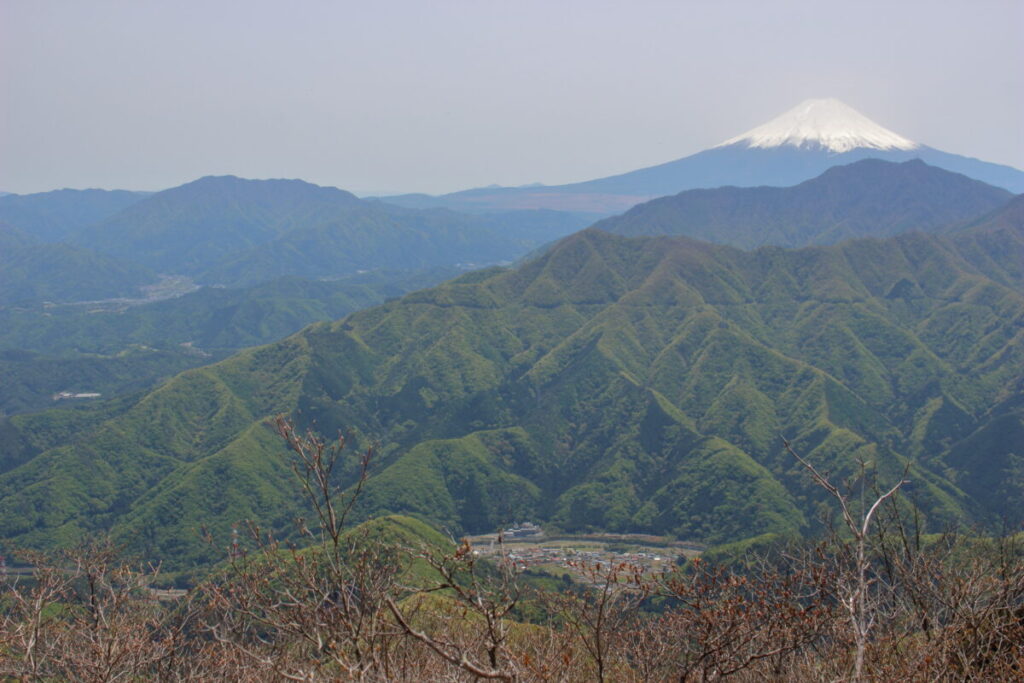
826, 123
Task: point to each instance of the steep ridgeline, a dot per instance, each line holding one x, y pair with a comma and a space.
870, 198
232, 231
795, 146
55, 216
625, 384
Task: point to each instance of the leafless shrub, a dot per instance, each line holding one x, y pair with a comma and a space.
88, 615
876, 602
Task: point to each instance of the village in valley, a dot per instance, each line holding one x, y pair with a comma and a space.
528, 546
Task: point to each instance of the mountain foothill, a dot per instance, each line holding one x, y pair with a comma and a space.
507, 362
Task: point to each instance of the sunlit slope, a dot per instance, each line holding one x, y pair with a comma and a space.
626, 384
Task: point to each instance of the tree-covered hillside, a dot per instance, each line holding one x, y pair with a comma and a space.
627, 384
870, 198
32, 272
80, 272
234, 231
55, 216
117, 348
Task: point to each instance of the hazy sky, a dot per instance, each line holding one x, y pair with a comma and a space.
437, 96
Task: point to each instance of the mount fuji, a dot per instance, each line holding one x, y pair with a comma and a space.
822, 124
796, 146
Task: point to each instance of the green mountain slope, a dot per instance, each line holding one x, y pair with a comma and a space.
31, 271
626, 384
55, 216
12, 238
33, 381
113, 349
233, 231
210, 318
370, 235
193, 226
995, 243
869, 198
272, 241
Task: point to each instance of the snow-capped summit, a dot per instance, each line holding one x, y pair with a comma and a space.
801, 144
826, 123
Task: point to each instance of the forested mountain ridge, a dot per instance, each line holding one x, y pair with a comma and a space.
92, 311
995, 242
234, 231
870, 198
194, 225
626, 384
113, 349
12, 238
55, 216
35, 271
397, 238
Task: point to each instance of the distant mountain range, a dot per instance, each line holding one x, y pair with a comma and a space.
869, 198
270, 241
237, 232
613, 383
289, 252
233, 231
55, 216
796, 146
35, 271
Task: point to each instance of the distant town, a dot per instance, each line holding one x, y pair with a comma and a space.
527, 545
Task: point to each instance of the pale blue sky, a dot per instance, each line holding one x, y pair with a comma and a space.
437, 96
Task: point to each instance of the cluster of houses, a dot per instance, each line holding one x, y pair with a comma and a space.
526, 545
62, 395
567, 557
524, 530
